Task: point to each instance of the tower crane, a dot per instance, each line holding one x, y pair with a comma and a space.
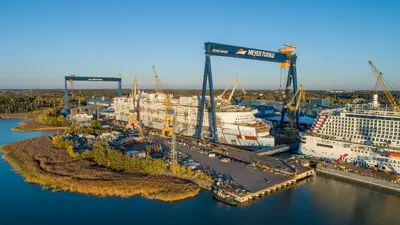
293, 106
168, 129
381, 82
158, 82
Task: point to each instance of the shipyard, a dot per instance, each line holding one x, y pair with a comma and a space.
240, 150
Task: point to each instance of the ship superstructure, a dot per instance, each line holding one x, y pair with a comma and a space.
236, 125
359, 134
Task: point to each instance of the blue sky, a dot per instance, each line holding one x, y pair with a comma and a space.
42, 41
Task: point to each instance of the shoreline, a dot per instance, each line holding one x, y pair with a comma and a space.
38, 162
383, 184
29, 125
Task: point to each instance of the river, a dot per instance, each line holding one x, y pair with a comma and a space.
322, 200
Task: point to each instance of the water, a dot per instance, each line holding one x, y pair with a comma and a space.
323, 200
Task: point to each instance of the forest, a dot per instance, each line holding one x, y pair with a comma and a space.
20, 101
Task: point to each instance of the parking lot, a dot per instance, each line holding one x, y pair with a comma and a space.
252, 179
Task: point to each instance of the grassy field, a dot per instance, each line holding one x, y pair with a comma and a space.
40, 163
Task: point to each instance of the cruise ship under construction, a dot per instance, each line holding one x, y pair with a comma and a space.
236, 125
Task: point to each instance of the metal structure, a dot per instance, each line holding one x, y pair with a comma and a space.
381, 82
168, 130
134, 108
101, 79
237, 81
158, 82
293, 106
234, 87
285, 56
174, 154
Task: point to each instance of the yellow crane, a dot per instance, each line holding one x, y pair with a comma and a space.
237, 81
293, 107
158, 82
167, 130
380, 82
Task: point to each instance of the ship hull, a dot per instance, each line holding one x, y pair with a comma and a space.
359, 154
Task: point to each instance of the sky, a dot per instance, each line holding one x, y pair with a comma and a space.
43, 41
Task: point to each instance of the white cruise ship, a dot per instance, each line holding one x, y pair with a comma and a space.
236, 125
358, 134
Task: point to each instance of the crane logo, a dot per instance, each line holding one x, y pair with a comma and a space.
241, 51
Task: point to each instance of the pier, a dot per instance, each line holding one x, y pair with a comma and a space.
274, 188
359, 178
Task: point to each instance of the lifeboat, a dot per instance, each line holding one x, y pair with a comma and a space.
394, 154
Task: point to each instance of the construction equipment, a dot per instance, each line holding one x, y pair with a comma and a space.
72, 85
216, 49
234, 87
380, 82
101, 79
285, 65
133, 123
158, 82
237, 81
167, 130
221, 95
293, 106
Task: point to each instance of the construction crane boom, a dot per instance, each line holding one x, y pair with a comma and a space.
237, 81
158, 82
380, 82
227, 87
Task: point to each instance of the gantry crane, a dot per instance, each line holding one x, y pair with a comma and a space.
72, 83
381, 82
289, 50
158, 82
293, 106
216, 49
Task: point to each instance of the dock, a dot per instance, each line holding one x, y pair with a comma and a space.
258, 175
274, 188
359, 178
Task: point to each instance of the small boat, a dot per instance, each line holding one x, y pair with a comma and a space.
225, 198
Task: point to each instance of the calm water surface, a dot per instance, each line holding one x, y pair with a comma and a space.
322, 200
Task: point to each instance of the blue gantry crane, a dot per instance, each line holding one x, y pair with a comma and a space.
101, 79
285, 57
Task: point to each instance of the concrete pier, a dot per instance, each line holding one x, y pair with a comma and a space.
274, 188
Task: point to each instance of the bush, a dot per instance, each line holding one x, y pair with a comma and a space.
60, 142
104, 155
52, 117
